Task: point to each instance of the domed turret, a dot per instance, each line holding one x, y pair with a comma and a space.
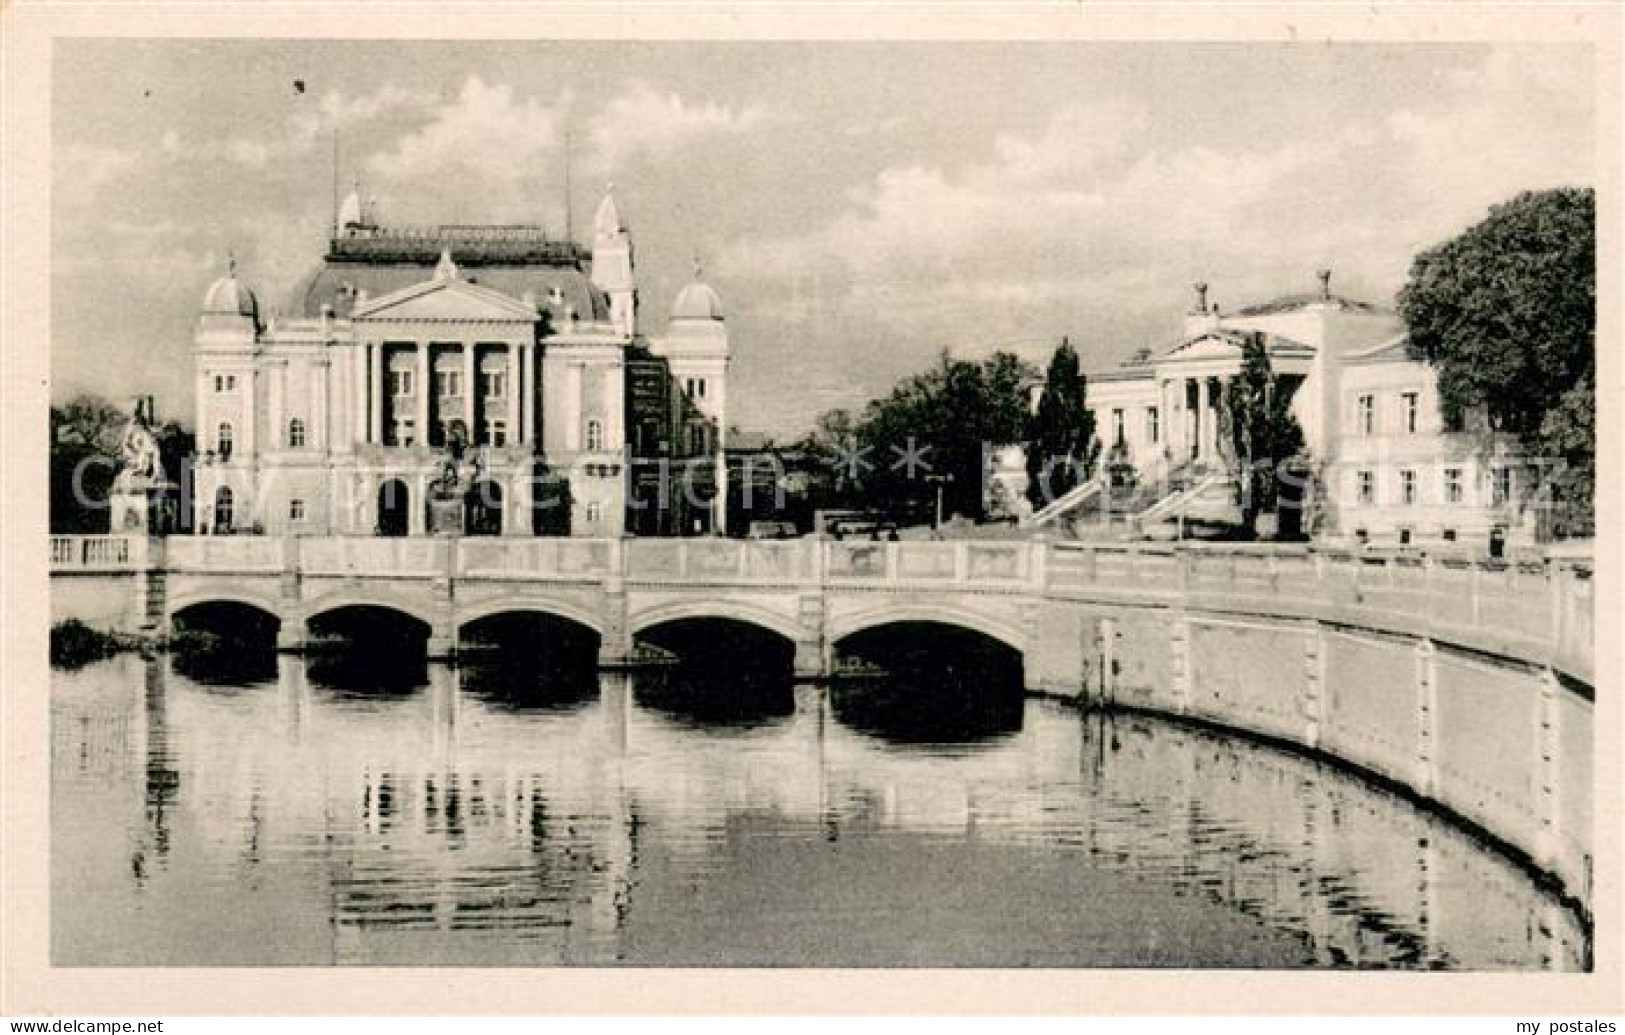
229, 296
697, 300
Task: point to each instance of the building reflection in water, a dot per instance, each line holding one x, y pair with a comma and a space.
450, 821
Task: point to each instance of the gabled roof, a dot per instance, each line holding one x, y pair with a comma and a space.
1287, 303
449, 298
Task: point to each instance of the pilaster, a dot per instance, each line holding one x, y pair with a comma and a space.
1548, 849
1314, 681
1427, 707
811, 658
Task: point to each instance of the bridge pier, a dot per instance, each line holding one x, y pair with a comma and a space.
811, 661
291, 637
442, 642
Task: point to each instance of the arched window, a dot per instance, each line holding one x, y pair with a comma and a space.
224, 506
222, 440
296, 434
595, 435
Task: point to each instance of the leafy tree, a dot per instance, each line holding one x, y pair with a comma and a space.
89, 421
1507, 313
1263, 432
1568, 436
936, 425
1061, 446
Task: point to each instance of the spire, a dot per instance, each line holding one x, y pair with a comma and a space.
607, 223
569, 220
445, 269
350, 213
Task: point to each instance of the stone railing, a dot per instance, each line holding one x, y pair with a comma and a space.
98, 552
1533, 610
222, 554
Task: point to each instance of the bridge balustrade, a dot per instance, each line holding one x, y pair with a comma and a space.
97, 552
533, 558
366, 555
246, 553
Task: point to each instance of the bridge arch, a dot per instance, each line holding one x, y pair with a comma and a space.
326, 606
718, 610
844, 626
174, 606
530, 605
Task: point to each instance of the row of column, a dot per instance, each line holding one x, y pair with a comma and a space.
371, 381
1198, 428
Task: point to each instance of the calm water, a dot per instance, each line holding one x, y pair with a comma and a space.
305, 814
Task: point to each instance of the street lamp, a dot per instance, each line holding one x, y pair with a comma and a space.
939, 480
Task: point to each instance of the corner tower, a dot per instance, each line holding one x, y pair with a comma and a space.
612, 264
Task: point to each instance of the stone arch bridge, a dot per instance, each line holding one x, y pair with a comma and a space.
1467, 681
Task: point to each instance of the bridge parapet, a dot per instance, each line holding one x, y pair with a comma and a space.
991, 564
722, 560
1537, 610
218, 554
540, 558
98, 553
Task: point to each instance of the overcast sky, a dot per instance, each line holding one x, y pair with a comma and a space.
857, 206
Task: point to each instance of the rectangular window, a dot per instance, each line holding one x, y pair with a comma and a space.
1153, 425
1502, 486
1117, 427
496, 432
493, 384
1404, 537
1412, 405
594, 512
1452, 485
1450, 535
219, 383
1365, 415
1365, 486
1407, 487
448, 384
405, 431
400, 383
296, 510
700, 385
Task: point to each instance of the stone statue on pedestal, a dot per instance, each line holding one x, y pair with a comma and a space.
448, 493
141, 495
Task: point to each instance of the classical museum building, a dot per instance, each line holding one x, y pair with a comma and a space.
1386, 468
476, 379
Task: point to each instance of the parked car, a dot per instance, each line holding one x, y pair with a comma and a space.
771, 530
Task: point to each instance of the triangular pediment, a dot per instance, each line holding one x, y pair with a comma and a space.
451, 299
1208, 345
1227, 344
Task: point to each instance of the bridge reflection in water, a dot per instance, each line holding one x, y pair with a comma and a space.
325, 815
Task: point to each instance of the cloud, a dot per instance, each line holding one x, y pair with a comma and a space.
645, 121
1092, 216
82, 171
336, 111
482, 155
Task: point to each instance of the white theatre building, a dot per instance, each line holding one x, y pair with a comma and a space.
1388, 471
519, 353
